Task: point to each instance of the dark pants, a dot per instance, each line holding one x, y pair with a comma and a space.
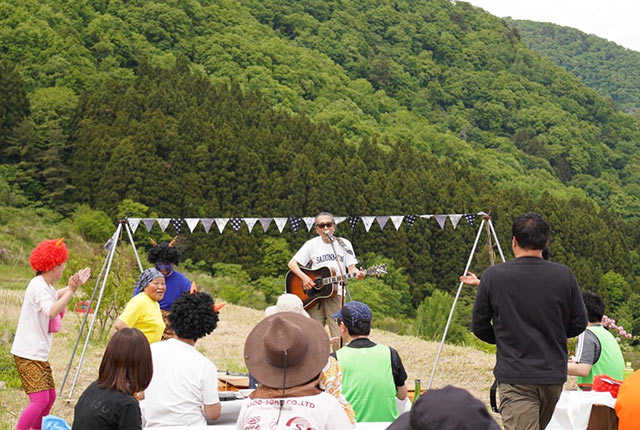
528, 406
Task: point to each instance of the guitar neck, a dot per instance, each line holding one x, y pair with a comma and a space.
335, 279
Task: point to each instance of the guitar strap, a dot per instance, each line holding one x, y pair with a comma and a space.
344, 245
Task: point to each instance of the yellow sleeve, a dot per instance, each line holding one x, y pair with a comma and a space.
132, 312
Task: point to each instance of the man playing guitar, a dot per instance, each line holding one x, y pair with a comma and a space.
319, 252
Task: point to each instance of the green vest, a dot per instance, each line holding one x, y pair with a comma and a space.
611, 362
367, 383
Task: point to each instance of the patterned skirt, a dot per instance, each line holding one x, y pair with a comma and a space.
35, 375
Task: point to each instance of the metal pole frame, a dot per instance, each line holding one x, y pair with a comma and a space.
107, 263
486, 218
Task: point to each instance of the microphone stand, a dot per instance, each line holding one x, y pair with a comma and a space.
343, 280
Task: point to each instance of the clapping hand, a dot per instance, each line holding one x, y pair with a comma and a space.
79, 278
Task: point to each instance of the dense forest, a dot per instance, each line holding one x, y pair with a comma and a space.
605, 66
273, 108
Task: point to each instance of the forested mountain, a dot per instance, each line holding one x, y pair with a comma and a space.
605, 66
284, 108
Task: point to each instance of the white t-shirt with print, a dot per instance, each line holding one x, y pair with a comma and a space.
33, 340
319, 412
317, 253
183, 381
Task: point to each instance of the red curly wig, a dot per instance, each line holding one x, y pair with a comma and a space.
48, 254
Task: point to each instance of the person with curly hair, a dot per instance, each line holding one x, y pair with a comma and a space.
126, 369
40, 317
184, 387
165, 256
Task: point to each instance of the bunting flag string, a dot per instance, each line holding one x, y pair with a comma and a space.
396, 220
455, 219
163, 223
250, 222
207, 223
192, 223
134, 223
297, 223
367, 221
309, 221
148, 223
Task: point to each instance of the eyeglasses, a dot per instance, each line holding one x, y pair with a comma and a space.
325, 225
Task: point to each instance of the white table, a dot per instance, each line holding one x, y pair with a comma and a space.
574, 409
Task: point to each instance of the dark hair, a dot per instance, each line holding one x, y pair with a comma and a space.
531, 231
192, 315
546, 252
595, 306
359, 328
126, 364
163, 253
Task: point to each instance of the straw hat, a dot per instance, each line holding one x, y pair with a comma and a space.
286, 350
287, 303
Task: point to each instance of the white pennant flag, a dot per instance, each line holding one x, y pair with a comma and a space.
250, 223
148, 223
206, 223
163, 223
441, 220
339, 219
192, 223
382, 220
280, 222
133, 223
309, 220
397, 220
221, 223
455, 219
265, 222
367, 221
426, 216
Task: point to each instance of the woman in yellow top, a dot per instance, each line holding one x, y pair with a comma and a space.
143, 310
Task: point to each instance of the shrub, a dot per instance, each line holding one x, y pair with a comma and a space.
93, 225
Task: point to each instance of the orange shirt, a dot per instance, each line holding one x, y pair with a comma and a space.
628, 403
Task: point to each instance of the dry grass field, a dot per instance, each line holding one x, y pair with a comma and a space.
460, 366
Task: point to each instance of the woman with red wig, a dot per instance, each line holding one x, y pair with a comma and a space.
40, 317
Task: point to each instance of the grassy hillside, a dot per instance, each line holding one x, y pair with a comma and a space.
446, 77
608, 68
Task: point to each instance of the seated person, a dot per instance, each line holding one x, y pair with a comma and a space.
597, 351
628, 403
184, 387
373, 374
446, 408
109, 403
143, 311
286, 352
331, 376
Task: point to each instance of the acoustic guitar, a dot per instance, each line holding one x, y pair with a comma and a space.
325, 282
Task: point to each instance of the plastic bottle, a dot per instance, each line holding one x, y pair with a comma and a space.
628, 370
416, 391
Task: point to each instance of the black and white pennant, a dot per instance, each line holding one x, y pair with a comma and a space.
235, 224
177, 224
353, 221
296, 223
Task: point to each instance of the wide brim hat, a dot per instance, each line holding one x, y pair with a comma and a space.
286, 350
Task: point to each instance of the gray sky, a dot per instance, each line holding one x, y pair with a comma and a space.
615, 20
